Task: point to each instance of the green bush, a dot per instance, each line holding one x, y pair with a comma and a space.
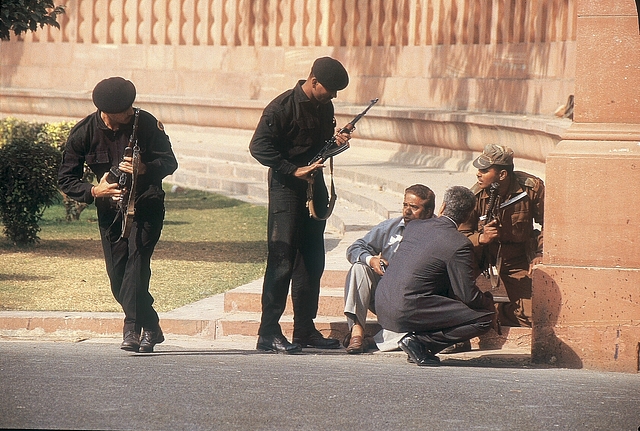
28, 184
53, 134
56, 134
12, 128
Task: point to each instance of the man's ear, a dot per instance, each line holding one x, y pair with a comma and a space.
503, 175
441, 209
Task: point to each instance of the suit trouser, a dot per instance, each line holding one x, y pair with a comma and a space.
128, 263
439, 340
360, 293
295, 256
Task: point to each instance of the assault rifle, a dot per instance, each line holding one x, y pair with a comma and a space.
331, 148
127, 183
491, 212
491, 270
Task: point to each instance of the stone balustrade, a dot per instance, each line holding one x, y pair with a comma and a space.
437, 65
298, 23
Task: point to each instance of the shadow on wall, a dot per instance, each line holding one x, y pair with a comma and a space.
10, 61
474, 73
360, 63
546, 347
503, 77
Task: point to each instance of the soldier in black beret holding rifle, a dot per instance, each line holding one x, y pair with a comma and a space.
292, 130
129, 151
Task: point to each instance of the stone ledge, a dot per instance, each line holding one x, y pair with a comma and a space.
531, 137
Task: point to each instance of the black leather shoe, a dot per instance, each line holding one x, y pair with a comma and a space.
316, 340
278, 344
464, 346
130, 341
150, 339
417, 352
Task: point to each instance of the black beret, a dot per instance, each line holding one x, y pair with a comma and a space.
330, 73
114, 95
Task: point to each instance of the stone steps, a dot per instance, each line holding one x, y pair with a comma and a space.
225, 173
370, 181
242, 315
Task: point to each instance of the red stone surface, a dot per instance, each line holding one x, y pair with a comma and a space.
586, 317
592, 205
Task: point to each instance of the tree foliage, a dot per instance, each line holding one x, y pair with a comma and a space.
21, 16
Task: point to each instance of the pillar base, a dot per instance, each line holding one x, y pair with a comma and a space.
586, 317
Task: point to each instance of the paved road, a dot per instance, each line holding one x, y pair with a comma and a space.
193, 385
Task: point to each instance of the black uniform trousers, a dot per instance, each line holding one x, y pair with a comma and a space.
295, 255
128, 263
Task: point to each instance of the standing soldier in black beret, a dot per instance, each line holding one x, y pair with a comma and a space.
100, 140
292, 130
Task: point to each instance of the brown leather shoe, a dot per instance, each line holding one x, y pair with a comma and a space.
356, 345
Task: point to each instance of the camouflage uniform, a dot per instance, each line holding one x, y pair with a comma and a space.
519, 240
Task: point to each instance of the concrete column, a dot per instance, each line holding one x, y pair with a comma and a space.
586, 296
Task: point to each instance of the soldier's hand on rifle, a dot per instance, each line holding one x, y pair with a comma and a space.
307, 172
105, 189
344, 134
127, 166
489, 233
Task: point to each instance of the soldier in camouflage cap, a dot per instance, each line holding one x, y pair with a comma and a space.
494, 155
511, 237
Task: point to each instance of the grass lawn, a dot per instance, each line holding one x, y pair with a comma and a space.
209, 244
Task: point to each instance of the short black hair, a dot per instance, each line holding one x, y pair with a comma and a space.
425, 193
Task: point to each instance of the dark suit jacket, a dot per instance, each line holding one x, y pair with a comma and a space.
430, 285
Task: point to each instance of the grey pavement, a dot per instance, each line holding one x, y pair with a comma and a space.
72, 378
189, 385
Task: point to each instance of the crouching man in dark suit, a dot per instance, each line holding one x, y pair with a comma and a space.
429, 291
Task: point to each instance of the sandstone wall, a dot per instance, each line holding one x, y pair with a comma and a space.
219, 62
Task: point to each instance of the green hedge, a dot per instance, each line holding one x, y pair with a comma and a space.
30, 155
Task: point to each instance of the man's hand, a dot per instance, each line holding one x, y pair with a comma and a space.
343, 138
105, 189
536, 261
307, 172
489, 233
375, 264
126, 165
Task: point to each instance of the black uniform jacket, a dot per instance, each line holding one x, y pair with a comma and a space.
430, 285
91, 141
291, 131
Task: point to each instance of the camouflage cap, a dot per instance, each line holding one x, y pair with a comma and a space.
494, 155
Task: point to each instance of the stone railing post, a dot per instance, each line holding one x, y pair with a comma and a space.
586, 296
